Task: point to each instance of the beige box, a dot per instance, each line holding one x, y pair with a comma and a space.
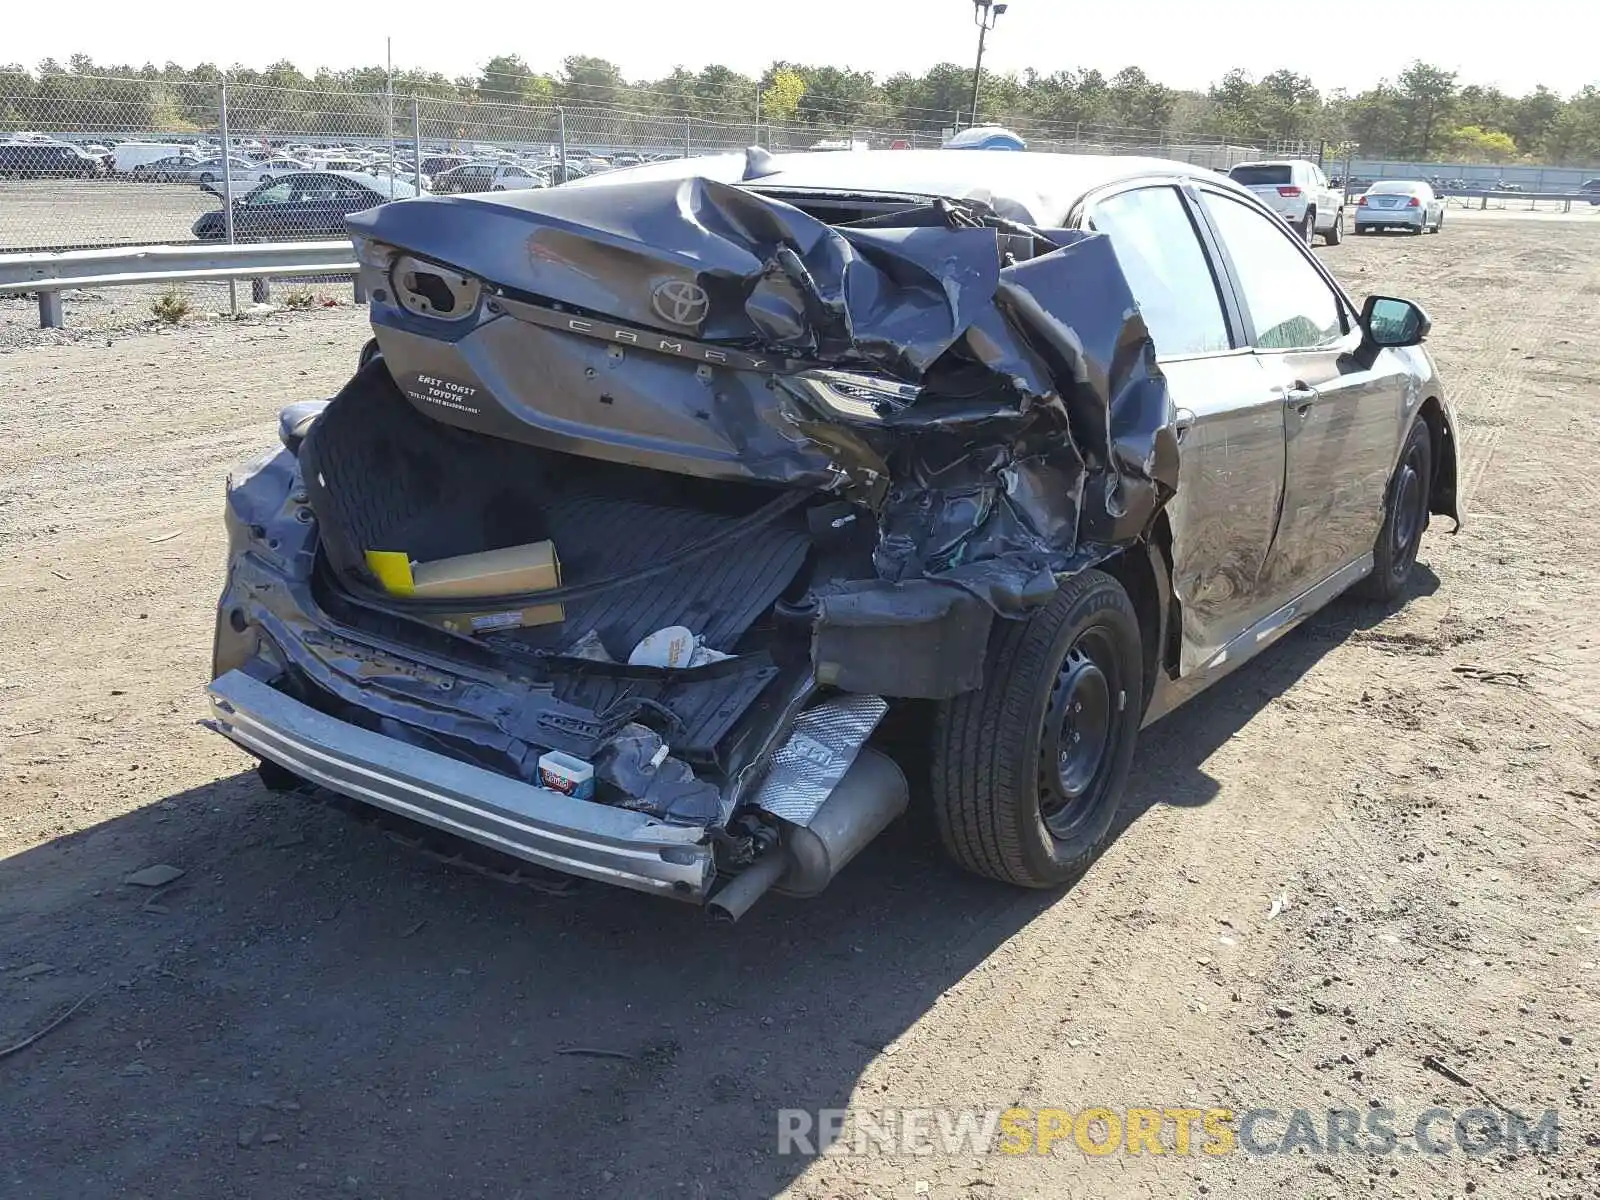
529, 568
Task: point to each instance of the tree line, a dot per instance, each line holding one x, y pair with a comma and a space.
1424, 113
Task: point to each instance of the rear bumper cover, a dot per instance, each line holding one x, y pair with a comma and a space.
542, 827
1368, 217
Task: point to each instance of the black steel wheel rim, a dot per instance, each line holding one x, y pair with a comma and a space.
1081, 724
1409, 515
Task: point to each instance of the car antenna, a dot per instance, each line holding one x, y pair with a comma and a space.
758, 164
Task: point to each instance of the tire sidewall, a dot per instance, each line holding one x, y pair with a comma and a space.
1388, 582
1103, 603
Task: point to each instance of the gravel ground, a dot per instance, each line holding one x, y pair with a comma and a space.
94, 315
1361, 873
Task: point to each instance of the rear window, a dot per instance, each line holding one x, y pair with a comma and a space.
1395, 188
1256, 176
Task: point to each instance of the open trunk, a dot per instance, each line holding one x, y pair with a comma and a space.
640, 551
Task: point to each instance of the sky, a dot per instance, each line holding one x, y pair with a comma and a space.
1182, 43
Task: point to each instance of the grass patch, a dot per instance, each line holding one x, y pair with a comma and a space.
171, 306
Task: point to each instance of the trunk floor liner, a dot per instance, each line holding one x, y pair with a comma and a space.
718, 596
382, 476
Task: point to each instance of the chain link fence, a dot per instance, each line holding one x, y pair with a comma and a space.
90, 161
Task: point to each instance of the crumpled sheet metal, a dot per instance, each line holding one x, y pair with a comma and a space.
1042, 437
820, 748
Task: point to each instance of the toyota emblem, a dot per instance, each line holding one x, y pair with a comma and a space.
680, 302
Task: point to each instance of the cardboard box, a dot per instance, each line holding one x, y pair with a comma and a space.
528, 568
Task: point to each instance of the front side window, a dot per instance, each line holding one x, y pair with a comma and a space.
1290, 304
1166, 268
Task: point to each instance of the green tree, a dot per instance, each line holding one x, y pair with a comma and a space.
1477, 144
591, 81
1426, 96
781, 90
507, 79
835, 96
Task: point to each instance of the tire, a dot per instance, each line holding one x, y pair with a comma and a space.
208, 177
1018, 793
1405, 518
1336, 234
1308, 227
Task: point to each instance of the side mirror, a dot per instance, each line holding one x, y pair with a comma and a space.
1389, 321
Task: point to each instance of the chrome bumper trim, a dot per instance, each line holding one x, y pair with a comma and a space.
543, 827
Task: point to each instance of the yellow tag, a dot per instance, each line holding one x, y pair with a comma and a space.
393, 569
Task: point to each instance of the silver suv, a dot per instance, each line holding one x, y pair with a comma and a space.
1297, 191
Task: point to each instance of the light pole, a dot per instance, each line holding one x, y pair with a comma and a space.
984, 14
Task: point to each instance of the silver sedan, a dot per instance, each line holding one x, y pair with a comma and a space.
1400, 204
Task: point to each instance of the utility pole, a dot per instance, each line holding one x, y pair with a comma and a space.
984, 15
388, 51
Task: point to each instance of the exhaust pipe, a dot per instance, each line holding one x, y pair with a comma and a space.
872, 793
748, 886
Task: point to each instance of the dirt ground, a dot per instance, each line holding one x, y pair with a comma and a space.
1362, 873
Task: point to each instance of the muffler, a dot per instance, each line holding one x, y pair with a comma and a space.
872, 793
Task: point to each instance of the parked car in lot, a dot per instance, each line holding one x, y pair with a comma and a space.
311, 204
128, 157
488, 177
1400, 204
437, 164
48, 160
616, 548
175, 169
209, 171
1592, 188
275, 165
1297, 191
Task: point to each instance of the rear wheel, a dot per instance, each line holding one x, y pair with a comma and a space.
1336, 234
1028, 771
1405, 517
1308, 227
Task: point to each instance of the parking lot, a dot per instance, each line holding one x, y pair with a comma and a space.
39, 214
1362, 873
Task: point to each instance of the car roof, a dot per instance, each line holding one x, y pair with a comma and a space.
1398, 183
1041, 188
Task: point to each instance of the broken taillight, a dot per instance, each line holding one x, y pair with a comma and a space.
1289, 191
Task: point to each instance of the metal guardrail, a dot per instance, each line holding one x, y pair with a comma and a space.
1484, 195
49, 274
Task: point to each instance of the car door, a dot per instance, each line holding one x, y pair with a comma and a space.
1328, 200
1230, 420
1342, 418
324, 206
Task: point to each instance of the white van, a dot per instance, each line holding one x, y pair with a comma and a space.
128, 155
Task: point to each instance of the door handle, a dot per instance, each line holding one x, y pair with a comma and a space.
1301, 397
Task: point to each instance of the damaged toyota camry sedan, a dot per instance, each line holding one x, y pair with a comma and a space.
656, 492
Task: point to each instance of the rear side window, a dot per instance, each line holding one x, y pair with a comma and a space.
1161, 255
1262, 176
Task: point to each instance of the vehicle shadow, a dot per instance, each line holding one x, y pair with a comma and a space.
315, 1006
